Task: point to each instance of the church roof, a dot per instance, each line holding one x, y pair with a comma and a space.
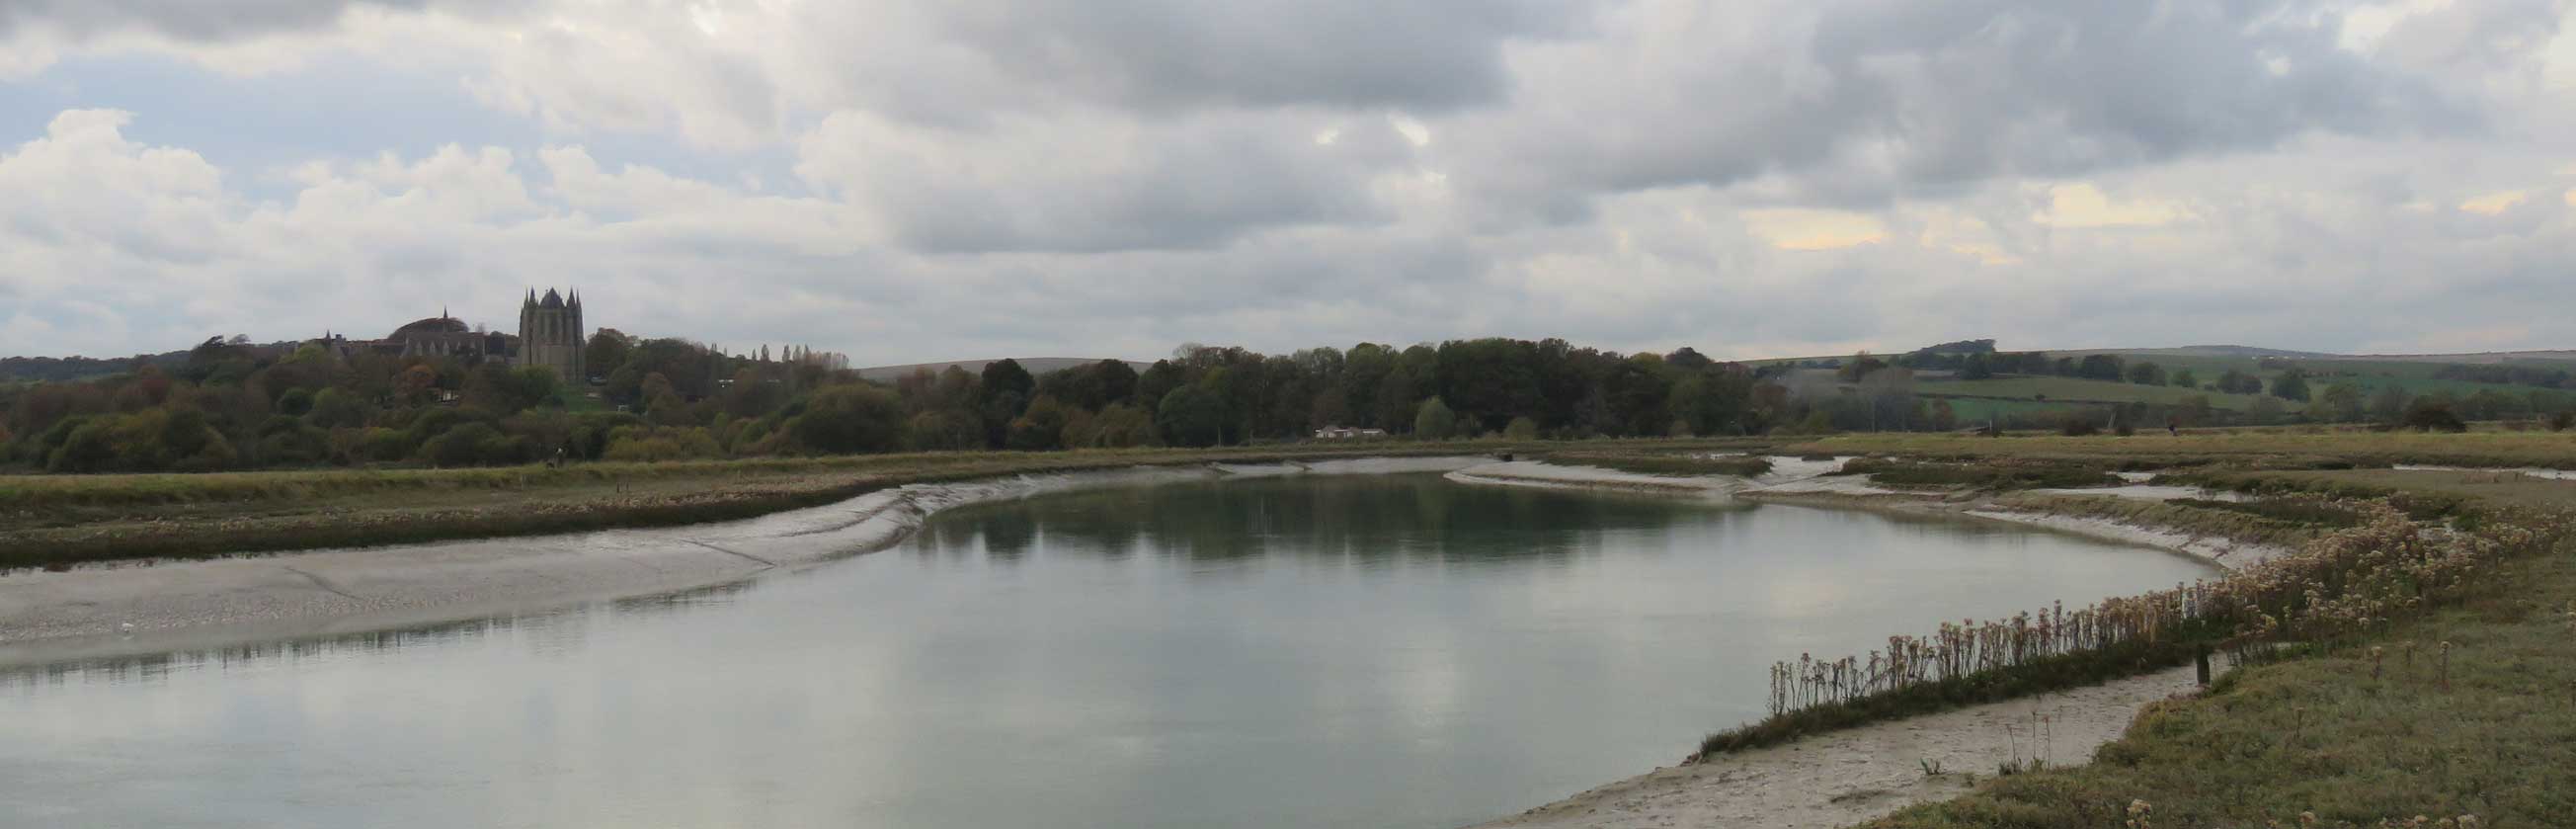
430, 325
553, 300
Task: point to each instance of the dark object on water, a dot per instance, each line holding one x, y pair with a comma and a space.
1502, 456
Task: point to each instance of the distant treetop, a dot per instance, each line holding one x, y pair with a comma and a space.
1960, 347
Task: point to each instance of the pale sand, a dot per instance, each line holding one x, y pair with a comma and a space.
154, 607
1857, 774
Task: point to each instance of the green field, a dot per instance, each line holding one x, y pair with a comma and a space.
2075, 390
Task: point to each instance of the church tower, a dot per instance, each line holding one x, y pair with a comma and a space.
551, 335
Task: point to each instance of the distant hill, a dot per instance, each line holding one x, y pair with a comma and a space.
2212, 351
1035, 365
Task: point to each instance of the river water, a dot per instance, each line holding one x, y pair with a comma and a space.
1308, 651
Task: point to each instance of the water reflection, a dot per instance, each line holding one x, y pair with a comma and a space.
1351, 652
1375, 521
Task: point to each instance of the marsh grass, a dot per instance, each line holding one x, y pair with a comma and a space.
2354, 733
1984, 474
2343, 584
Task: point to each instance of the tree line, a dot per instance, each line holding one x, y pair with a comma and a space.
228, 404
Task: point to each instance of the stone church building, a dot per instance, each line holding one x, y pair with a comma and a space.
551, 334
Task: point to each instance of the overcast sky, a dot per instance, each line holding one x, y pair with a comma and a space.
915, 181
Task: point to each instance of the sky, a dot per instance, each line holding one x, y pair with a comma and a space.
918, 181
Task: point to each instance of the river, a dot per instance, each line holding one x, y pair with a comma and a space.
1299, 651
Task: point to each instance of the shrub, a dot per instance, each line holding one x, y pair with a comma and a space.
847, 419
2428, 415
647, 444
474, 444
1433, 420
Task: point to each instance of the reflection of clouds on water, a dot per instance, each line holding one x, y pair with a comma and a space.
1284, 651
1391, 519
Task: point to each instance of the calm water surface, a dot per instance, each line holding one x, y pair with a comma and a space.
1309, 652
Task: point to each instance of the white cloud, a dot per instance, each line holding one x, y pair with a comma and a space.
2083, 205
2496, 203
1791, 228
912, 181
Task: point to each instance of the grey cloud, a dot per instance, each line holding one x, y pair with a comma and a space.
201, 20
1860, 102
1084, 184
1431, 55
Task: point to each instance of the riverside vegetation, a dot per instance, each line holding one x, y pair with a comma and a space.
232, 405
2408, 664
60, 520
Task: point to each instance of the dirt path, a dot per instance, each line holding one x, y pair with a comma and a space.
1857, 774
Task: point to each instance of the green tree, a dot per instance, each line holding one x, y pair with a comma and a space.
1121, 425
1433, 420
2341, 402
606, 352
334, 409
1521, 428
2292, 384
2388, 404
1191, 416
1977, 367
2100, 367
2147, 374
848, 419
2433, 414
2183, 378
1040, 427
940, 430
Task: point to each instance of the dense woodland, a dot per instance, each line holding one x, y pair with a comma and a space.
233, 405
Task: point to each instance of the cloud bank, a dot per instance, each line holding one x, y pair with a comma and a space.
909, 182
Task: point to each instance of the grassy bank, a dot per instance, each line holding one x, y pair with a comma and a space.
2376, 729
2354, 712
58, 520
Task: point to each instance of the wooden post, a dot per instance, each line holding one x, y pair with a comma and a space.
2200, 659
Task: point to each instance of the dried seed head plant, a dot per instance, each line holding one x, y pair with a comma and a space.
2344, 584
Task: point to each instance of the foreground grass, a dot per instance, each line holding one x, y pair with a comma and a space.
2384, 726
2368, 732
59, 520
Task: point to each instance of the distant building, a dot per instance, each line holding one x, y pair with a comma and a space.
444, 336
1347, 433
551, 334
